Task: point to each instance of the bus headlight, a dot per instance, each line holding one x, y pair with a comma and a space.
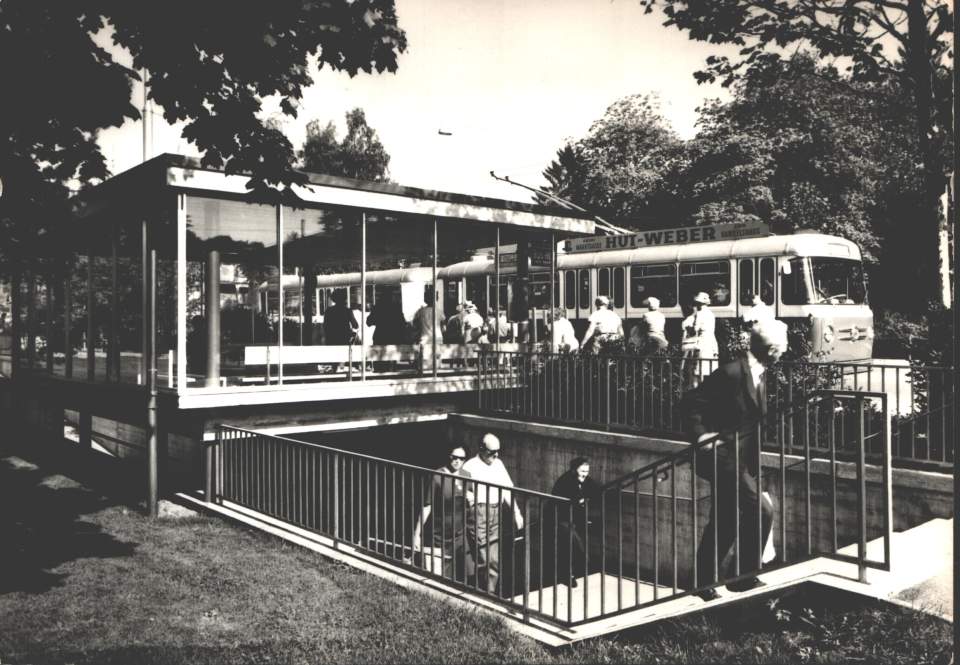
828, 334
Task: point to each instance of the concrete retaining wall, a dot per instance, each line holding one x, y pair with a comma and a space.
537, 454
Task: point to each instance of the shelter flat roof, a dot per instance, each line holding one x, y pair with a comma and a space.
186, 173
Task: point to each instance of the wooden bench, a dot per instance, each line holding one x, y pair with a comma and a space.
334, 356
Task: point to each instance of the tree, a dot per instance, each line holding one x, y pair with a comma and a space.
857, 32
802, 147
618, 167
359, 155
209, 67
566, 177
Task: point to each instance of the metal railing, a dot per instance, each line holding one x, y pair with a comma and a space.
632, 546
634, 393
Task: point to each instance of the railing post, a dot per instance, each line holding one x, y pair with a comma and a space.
887, 484
861, 495
336, 499
480, 360
526, 561
209, 468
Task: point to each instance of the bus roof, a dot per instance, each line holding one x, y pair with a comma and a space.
799, 244
391, 276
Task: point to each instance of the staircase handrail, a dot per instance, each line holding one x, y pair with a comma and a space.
706, 443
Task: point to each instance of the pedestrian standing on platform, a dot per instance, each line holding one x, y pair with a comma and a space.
605, 325
339, 326
699, 344
387, 316
472, 323
486, 467
576, 485
426, 331
654, 325
562, 337
497, 327
454, 327
449, 502
733, 400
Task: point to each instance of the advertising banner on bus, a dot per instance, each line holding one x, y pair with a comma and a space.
656, 238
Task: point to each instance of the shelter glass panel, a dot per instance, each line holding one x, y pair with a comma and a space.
323, 310
102, 264
162, 225
129, 336
232, 290
24, 318
6, 326
77, 281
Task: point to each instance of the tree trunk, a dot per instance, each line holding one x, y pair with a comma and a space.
927, 241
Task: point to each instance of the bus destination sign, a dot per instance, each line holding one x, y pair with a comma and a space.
660, 237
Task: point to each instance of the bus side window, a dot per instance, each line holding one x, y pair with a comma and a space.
557, 293
584, 278
570, 290
768, 273
793, 290
711, 277
603, 282
745, 279
653, 280
618, 287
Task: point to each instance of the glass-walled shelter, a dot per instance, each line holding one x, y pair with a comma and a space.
179, 270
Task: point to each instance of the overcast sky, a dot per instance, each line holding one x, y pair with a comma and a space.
512, 80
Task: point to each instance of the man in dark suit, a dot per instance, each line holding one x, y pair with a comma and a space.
730, 401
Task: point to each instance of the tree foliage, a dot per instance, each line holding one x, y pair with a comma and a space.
359, 155
619, 167
209, 67
905, 41
799, 146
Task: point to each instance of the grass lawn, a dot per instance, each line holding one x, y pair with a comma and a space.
86, 578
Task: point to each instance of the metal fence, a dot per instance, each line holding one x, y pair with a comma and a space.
643, 394
631, 546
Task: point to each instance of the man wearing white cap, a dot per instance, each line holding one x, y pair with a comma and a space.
605, 325
699, 344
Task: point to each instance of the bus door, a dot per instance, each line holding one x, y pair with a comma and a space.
756, 276
451, 297
584, 295
767, 282
610, 283
569, 295
746, 284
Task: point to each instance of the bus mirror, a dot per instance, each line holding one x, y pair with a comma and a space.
785, 268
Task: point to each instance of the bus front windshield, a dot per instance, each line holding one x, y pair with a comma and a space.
837, 281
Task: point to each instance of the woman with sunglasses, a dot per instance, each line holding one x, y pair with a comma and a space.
448, 500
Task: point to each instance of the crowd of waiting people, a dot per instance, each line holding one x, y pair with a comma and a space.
386, 324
